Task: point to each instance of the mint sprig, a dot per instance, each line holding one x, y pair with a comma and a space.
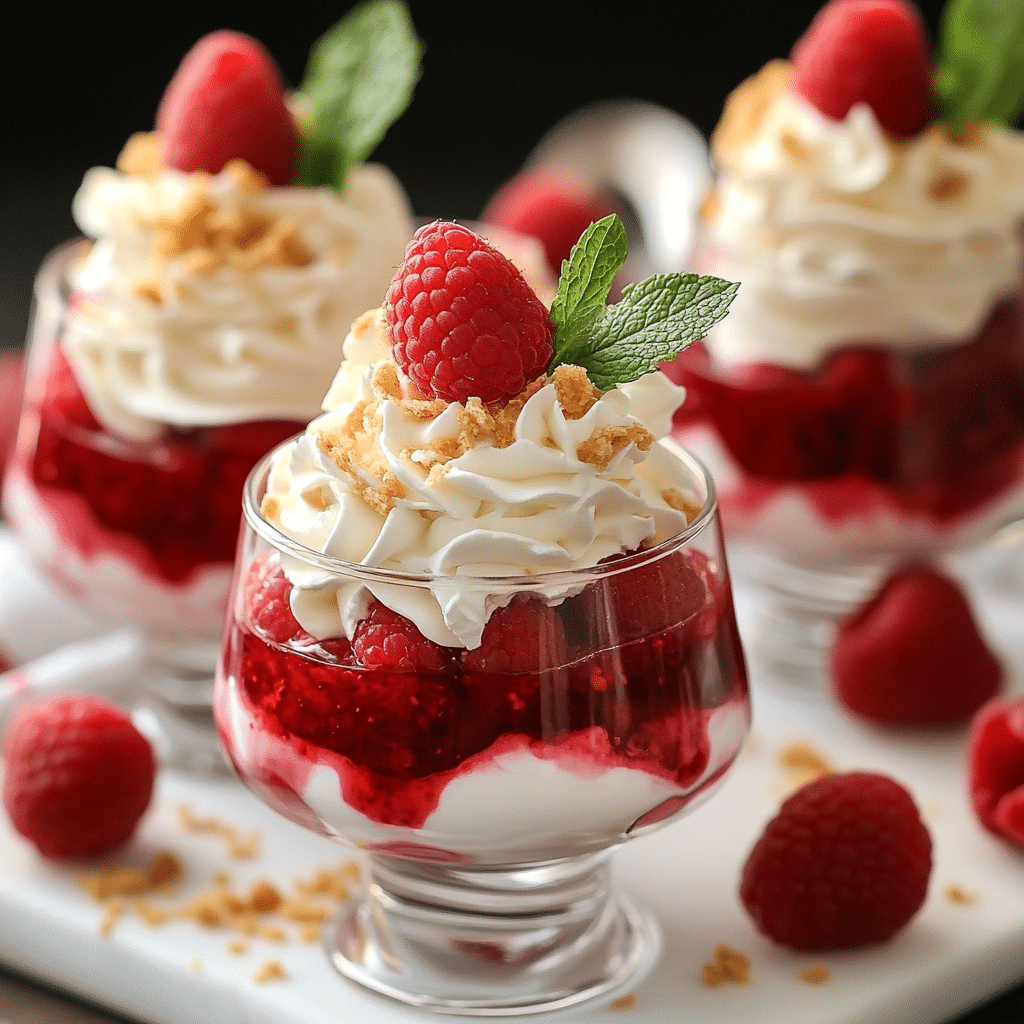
981, 62
359, 80
654, 321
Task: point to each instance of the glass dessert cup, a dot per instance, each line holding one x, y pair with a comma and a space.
830, 478
142, 533
488, 795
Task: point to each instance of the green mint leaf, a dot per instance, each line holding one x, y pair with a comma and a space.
656, 320
359, 79
584, 285
981, 61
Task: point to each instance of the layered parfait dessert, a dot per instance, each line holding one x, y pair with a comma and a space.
863, 400
482, 614
195, 330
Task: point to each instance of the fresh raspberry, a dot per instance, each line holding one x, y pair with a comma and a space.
913, 655
995, 767
387, 640
652, 597
845, 863
551, 206
524, 636
868, 51
79, 775
226, 102
463, 322
266, 593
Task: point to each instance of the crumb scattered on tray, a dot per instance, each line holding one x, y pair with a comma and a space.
957, 894
271, 970
728, 967
816, 974
241, 846
262, 912
626, 1002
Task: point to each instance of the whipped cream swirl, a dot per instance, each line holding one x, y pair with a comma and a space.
215, 299
840, 235
426, 488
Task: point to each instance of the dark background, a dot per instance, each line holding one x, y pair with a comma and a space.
78, 79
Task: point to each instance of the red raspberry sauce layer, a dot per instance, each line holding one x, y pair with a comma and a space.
397, 738
939, 431
171, 506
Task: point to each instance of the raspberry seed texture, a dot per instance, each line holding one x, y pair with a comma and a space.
462, 320
846, 862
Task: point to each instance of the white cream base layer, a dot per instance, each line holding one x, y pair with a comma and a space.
790, 523
112, 587
515, 809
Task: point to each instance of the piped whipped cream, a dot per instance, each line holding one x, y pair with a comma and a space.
561, 478
841, 235
211, 299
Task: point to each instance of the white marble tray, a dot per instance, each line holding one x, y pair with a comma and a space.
951, 956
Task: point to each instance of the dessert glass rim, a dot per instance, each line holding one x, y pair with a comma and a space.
255, 485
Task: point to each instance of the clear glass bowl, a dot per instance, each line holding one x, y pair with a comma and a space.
488, 791
142, 533
883, 454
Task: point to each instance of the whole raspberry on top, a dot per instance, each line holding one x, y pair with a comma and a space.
868, 51
79, 775
462, 320
225, 102
846, 862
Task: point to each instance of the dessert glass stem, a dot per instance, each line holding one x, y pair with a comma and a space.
174, 707
790, 612
508, 940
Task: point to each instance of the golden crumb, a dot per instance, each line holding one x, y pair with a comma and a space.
365, 321
967, 137
626, 1002
674, 498
385, 382
576, 394
271, 970
332, 882
270, 507
264, 898
245, 176
816, 974
304, 911
745, 108
311, 932
148, 291
948, 186
728, 967
794, 149
160, 874
241, 846
114, 911
142, 155
804, 759
957, 894
271, 933
710, 206
606, 442
238, 947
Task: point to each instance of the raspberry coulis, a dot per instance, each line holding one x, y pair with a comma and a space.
397, 738
170, 506
936, 433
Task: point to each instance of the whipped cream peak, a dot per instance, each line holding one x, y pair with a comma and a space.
211, 299
842, 235
560, 478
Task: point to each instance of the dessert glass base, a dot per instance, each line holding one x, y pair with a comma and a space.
508, 942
